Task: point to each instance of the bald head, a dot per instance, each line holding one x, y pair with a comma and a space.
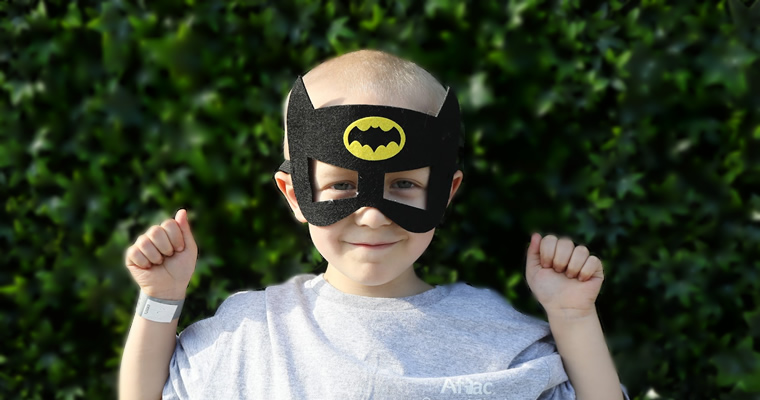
375, 78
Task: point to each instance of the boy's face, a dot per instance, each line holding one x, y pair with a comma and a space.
367, 253
367, 249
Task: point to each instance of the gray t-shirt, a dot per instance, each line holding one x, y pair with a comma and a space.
305, 339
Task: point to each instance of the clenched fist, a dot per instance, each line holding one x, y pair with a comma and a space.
162, 260
565, 278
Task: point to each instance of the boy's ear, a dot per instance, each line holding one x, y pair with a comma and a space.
285, 184
455, 182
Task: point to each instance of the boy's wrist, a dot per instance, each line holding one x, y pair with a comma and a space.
158, 309
571, 315
174, 294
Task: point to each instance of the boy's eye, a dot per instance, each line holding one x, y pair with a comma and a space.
406, 191
336, 191
403, 184
342, 186
408, 187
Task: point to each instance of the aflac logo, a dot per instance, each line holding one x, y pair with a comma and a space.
466, 386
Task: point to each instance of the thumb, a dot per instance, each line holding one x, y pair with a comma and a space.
184, 225
534, 256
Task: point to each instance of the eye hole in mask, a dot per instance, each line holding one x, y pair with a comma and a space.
408, 187
331, 182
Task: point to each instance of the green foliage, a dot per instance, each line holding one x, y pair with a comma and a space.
632, 127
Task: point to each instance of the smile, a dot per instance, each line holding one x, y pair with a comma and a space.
373, 246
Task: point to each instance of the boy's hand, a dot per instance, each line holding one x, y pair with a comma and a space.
563, 277
162, 260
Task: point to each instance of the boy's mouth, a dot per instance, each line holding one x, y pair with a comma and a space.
374, 245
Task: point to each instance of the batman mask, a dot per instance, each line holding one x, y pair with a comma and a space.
373, 141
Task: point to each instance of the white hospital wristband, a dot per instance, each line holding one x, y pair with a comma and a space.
158, 310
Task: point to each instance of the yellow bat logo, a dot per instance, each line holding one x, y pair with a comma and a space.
374, 138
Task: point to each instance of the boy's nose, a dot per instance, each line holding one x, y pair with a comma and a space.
371, 217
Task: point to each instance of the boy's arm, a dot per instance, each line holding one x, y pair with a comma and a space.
161, 261
145, 363
566, 281
587, 360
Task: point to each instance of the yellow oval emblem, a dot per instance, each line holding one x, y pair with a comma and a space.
374, 138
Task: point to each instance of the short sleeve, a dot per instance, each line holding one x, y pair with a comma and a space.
565, 391
200, 349
194, 355
561, 391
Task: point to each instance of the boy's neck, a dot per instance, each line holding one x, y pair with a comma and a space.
405, 285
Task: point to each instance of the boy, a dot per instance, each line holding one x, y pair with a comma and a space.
371, 143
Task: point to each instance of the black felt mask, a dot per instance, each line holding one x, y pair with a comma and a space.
372, 140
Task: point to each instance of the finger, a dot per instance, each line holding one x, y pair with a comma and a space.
533, 253
149, 250
184, 225
548, 246
580, 254
137, 258
174, 232
562, 254
160, 239
592, 267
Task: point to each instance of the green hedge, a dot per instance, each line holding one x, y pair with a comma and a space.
633, 127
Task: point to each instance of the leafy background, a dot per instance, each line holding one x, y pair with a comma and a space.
632, 127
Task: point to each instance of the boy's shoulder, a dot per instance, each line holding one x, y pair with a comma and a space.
254, 301
486, 304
